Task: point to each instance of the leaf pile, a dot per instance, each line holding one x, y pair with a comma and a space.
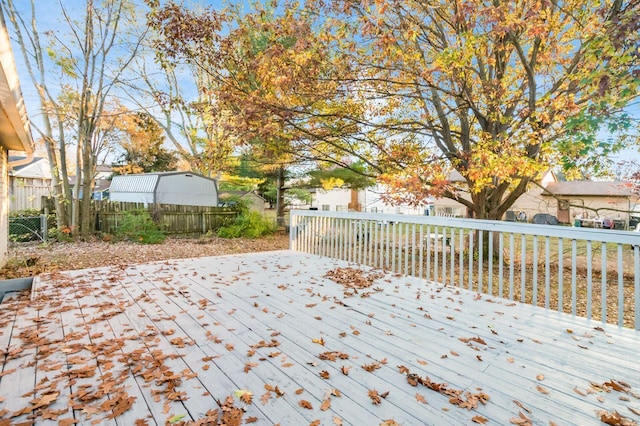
458, 397
353, 278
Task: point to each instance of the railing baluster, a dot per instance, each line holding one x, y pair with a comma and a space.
523, 268
620, 287
490, 270
421, 256
501, 265
480, 261
534, 277
560, 276
512, 259
574, 286
589, 278
413, 249
427, 243
452, 245
471, 260
603, 283
636, 286
547, 272
461, 258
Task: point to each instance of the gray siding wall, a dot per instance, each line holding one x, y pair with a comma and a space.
186, 190
132, 197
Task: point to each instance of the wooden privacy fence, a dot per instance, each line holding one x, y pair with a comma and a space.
172, 219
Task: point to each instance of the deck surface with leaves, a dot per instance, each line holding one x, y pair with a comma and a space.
293, 339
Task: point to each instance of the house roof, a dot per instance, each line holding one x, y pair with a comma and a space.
14, 124
587, 188
37, 168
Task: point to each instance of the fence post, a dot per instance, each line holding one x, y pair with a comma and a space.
44, 227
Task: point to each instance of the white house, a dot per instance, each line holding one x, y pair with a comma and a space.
359, 200
181, 188
28, 183
14, 130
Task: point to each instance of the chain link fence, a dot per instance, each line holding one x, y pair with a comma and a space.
28, 228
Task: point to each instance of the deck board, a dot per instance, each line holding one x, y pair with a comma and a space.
206, 320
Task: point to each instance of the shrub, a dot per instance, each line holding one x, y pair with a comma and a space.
248, 225
137, 226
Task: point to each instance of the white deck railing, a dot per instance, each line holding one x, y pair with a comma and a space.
586, 272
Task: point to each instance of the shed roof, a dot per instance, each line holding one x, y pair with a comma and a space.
587, 188
144, 182
135, 183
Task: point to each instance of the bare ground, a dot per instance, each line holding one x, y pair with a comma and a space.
31, 259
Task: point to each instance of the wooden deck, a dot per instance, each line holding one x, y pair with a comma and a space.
271, 340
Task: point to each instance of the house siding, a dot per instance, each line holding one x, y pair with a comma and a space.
4, 206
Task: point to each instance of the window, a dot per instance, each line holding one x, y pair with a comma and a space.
326, 207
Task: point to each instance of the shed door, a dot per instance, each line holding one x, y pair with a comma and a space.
564, 211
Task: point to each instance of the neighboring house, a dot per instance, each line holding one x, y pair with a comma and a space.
566, 200
14, 130
182, 188
361, 200
101, 189
28, 183
103, 172
590, 199
254, 201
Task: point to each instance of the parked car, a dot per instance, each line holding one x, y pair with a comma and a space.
545, 219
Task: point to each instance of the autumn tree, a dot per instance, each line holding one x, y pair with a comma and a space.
142, 142
262, 67
498, 91
89, 53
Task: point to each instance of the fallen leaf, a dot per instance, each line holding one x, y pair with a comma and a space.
305, 404
421, 398
326, 404
542, 390
540, 377
244, 395
479, 419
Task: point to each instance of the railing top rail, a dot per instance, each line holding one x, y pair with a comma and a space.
600, 235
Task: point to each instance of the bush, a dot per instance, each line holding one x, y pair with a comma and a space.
137, 226
248, 225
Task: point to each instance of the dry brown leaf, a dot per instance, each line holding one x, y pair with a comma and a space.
299, 391
345, 370
542, 390
540, 377
325, 374
421, 398
479, 419
389, 422
249, 420
326, 404
337, 421
422, 362
305, 404
315, 423
510, 360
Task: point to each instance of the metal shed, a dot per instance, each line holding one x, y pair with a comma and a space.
181, 188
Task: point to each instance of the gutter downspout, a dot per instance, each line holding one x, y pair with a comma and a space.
28, 159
